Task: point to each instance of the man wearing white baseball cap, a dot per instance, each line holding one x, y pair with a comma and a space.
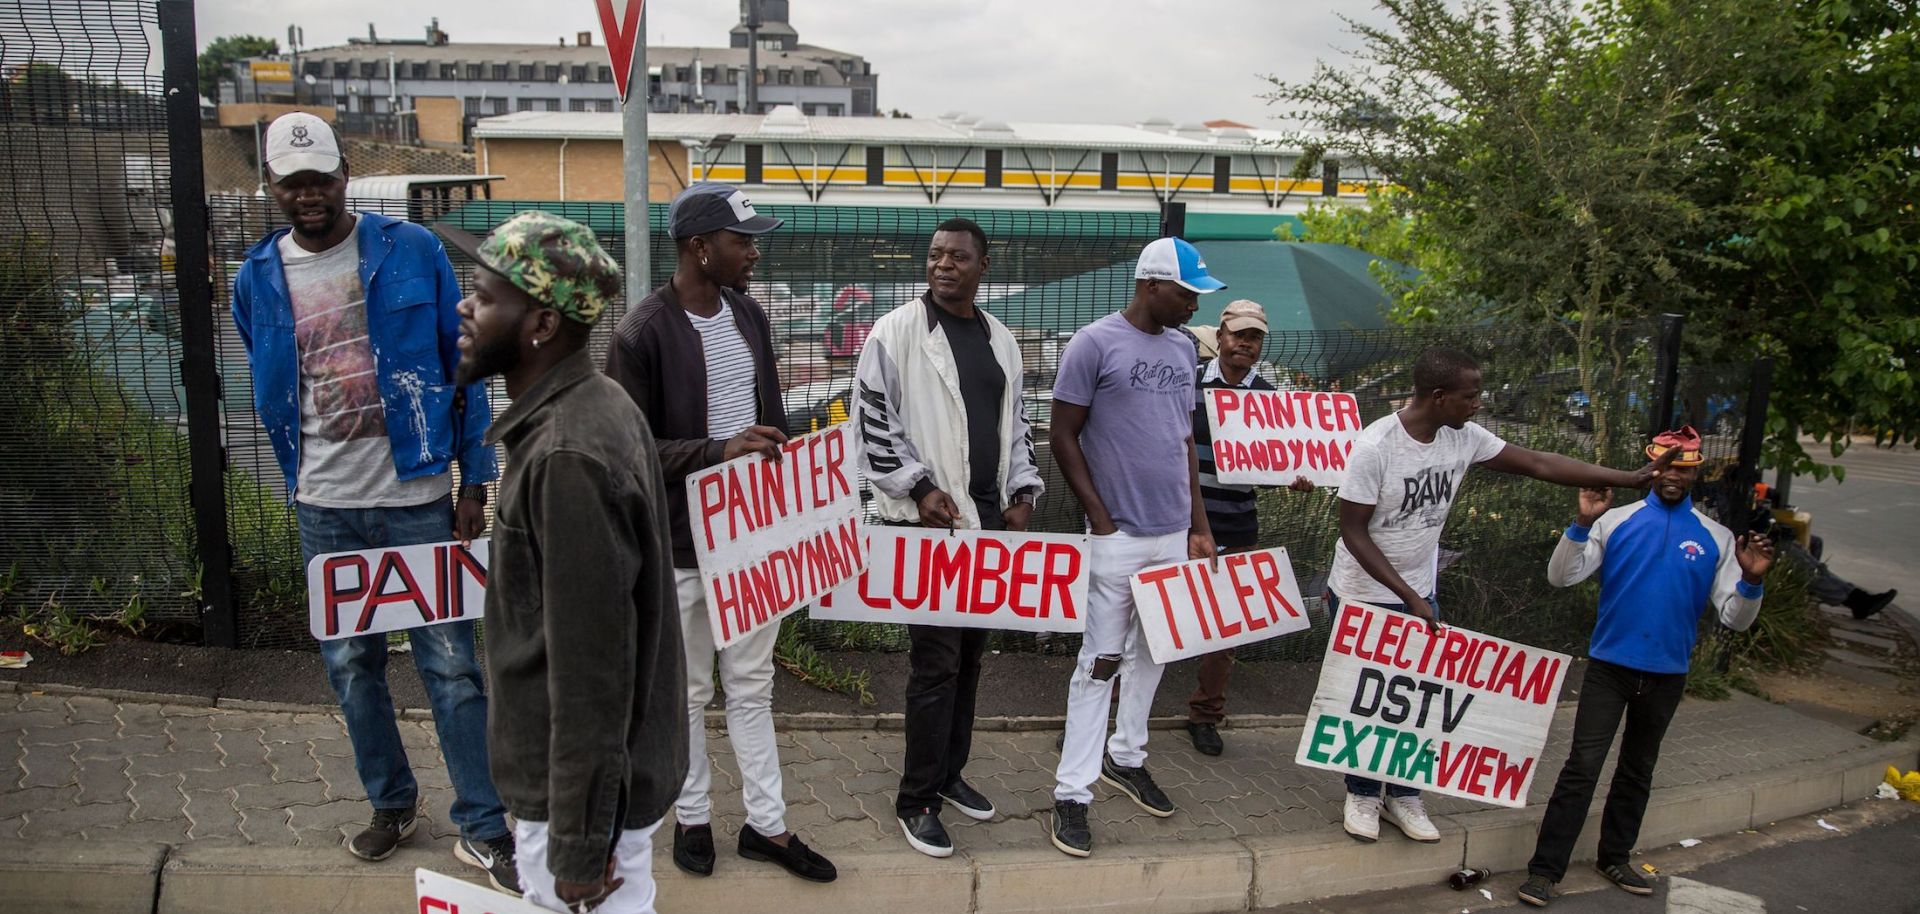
1123, 436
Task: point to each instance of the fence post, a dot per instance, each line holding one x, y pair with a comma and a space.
1662, 413
198, 367
1173, 220
1740, 495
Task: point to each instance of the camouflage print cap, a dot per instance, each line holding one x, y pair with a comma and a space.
556, 261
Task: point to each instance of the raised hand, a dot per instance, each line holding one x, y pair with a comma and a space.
1646, 475
1755, 555
1593, 503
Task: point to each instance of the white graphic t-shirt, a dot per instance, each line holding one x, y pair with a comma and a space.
345, 458
1412, 487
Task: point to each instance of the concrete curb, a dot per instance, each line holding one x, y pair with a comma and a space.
1188, 877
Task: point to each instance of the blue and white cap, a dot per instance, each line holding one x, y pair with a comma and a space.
1176, 260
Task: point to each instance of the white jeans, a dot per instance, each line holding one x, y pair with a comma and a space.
1113, 629
746, 673
632, 861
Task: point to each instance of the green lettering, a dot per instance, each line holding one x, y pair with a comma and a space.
1385, 734
1404, 748
1422, 769
1349, 755
1323, 734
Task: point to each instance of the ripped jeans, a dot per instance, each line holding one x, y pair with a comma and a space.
444, 655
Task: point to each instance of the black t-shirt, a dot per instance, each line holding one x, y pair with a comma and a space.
982, 385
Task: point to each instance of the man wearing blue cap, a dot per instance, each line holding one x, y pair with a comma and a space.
1123, 436
697, 356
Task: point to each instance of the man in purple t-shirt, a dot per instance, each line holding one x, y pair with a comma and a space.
1123, 436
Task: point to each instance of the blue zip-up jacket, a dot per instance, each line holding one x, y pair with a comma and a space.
412, 326
1659, 566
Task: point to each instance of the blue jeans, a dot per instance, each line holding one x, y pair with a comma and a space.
443, 654
1368, 787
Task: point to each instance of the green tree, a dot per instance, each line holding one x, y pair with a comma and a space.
222, 52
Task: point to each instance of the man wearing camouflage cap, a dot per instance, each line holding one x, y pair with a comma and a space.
588, 733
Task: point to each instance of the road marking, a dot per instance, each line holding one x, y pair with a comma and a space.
1685, 896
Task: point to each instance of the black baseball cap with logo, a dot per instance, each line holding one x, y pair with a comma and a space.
710, 206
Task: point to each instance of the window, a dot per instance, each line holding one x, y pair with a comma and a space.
417, 70
369, 69
340, 69
753, 163
706, 74
1330, 178
603, 105
1109, 171
449, 71
605, 75
526, 72
475, 71
578, 73
551, 104
524, 104
472, 106
876, 166
576, 104
312, 68
1222, 174
786, 77
994, 167
499, 105
810, 78
499, 71
835, 110
553, 72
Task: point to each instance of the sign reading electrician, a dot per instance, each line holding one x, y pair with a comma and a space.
385, 590
1452, 711
774, 536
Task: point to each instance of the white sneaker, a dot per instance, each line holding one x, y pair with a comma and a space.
1411, 815
1363, 817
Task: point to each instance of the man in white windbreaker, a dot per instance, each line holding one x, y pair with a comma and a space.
945, 443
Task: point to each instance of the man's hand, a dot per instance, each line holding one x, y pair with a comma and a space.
1755, 555
469, 519
764, 440
1593, 503
938, 510
1016, 515
1646, 475
585, 896
1300, 484
1418, 608
1102, 525
1201, 546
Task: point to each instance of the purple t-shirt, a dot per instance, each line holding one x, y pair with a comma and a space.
1138, 390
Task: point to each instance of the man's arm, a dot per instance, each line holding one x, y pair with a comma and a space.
241, 306
1583, 547
1550, 467
1200, 543
891, 461
1738, 581
1023, 469
1068, 420
1354, 518
681, 457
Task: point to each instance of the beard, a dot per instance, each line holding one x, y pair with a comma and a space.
481, 362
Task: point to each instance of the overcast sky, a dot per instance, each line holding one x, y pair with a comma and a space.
1114, 61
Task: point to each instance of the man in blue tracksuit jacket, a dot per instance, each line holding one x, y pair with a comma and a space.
351, 332
1660, 562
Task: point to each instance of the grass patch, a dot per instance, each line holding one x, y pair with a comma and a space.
791, 651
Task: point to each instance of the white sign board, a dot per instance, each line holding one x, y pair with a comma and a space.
385, 590
1028, 582
1206, 605
436, 893
1270, 437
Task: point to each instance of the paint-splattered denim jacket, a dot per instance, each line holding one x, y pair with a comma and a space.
412, 326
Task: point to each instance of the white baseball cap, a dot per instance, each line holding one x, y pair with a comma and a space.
1175, 260
300, 142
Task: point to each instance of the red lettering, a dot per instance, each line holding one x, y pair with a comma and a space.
922, 593
1391, 626
1455, 761
713, 500
1242, 591
1266, 571
336, 595
1474, 679
390, 564
1452, 653
1348, 409
1482, 769
430, 904
1539, 685
1213, 600
1281, 409
724, 602
439, 582
1317, 454
815, 470
1158, 578
740, 518
1224, 402
1509, 778
991, 559
1346, 635
952, 564
1512, 664
462, 564
1057, 581
837, 464
1024, 578
1323, 412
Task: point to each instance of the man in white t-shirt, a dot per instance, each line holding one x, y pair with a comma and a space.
1402, 480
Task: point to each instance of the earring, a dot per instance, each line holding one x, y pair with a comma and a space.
536, 344
703, 261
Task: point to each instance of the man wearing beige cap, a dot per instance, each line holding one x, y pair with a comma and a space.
1232, 510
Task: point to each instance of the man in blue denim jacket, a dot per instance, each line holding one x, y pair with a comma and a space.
350, 330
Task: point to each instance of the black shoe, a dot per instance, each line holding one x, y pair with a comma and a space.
1623, 876
1870, 604
389, 829
925, 833
1070, 832
796, 858
1536, 891
961, 795
495, 857
693, 848
1138, 785
1206, 738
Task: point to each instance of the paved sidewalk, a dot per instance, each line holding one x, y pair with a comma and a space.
86, 769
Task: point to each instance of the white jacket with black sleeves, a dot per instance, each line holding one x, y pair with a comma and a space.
912, 422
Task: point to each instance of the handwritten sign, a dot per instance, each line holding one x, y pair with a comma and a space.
770, 536
1028, 582
436, 893
385, 590
1206, 605
1456, 712
1269, 437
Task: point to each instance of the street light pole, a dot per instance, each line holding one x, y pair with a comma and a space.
634, 167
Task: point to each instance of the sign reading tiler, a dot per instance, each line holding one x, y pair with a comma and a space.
1269, 437
1206, 605
1455, 712
774, 536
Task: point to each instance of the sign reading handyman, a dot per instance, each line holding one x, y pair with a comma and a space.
1208, 605
1455, 712
436, 893
1029, 582
385, 590
771, 537
1269, 437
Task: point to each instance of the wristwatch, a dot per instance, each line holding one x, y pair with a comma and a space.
478, 493
1026, 497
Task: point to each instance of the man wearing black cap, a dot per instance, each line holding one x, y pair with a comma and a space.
697, 356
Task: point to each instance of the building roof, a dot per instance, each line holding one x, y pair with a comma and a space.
788, 124
477, 52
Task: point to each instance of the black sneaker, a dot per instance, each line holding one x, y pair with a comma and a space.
1870, 604
925, 833
693, 848
1206, 738
1623, 876
961, 796
1536, 891
1138, 785
389, 829
795, 858
495, 857
1070, 832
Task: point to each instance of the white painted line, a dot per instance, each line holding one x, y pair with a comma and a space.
1685, 896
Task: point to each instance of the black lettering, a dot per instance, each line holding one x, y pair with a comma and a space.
1397, 687
1451, 718
1363, 705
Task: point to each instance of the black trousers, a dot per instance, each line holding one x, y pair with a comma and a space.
1608, 692
942, 679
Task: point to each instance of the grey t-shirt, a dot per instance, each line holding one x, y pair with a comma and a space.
346, 460
1138, 391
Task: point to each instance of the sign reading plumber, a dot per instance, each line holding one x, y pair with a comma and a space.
1027, 582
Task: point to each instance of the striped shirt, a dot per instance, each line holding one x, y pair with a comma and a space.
1232, 510
730, 380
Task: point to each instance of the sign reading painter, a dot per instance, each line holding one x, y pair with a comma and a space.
385, 590
1453, 712
1270, 437
1206, 605
1028, 582
772, 536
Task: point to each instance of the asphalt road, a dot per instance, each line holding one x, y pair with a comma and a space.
1868, 521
